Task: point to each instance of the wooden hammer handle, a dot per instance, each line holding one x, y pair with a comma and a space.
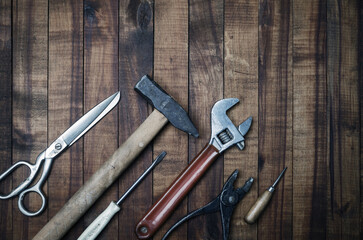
83, 199
162, 209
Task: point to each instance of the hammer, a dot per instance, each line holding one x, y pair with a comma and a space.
166, 109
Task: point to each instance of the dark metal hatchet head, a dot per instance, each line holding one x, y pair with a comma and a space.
165, 104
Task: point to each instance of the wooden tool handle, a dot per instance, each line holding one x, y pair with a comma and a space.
258, 207
162, 209
83, 199
96, 227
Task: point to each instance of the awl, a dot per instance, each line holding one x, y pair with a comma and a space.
96, 227
262, 201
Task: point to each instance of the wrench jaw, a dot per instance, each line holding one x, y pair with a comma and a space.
224, 133
245, 126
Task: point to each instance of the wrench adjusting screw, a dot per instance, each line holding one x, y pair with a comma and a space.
225, 136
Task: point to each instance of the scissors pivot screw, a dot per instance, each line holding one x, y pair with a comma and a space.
58, 146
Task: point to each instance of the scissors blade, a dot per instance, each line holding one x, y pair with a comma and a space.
92, 117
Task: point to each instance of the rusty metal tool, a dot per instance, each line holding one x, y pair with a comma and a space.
262, 201
225, 204
224, 135
45, 159
166, 109
96, 227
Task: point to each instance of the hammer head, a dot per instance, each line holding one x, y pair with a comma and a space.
165, 104
224, 133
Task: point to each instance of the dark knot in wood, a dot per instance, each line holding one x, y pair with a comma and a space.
144, 15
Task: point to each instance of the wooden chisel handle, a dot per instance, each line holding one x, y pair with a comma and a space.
84, 198
258, 207
96, 227
162, 209
262, 201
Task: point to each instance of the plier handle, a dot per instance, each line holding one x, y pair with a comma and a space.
224, 203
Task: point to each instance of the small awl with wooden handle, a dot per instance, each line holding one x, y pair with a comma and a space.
262, 202
96, 227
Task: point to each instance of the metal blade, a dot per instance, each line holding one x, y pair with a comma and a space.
245, 126
279, 177
79, 128
222, 106
147, 171
166, 105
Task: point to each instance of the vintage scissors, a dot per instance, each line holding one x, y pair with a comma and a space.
225, 203
45, 158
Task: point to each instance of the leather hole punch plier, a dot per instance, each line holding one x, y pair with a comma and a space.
225, 203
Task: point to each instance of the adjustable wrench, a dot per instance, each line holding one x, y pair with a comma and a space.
224, 135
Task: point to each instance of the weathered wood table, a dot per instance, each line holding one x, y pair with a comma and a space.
296, 67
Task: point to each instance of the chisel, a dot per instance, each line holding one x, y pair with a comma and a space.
262, 201
104, 218
166, 109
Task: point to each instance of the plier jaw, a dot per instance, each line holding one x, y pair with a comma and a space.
224, 203
229, 198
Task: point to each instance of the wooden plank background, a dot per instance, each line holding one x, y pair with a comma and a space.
295, 65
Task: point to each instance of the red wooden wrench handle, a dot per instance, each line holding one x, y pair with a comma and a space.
162, 209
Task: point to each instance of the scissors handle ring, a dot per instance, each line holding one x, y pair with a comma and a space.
21, 189
21, 206
23, 185
37, 189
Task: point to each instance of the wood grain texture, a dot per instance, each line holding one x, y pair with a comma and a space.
275, 116
349, 120
360, 80
310, 120
135, 60
241, 81
100, 81
171, 73
65, 100
6, 113
30, 53
295, 65
333, 40
343, 120
205, 75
